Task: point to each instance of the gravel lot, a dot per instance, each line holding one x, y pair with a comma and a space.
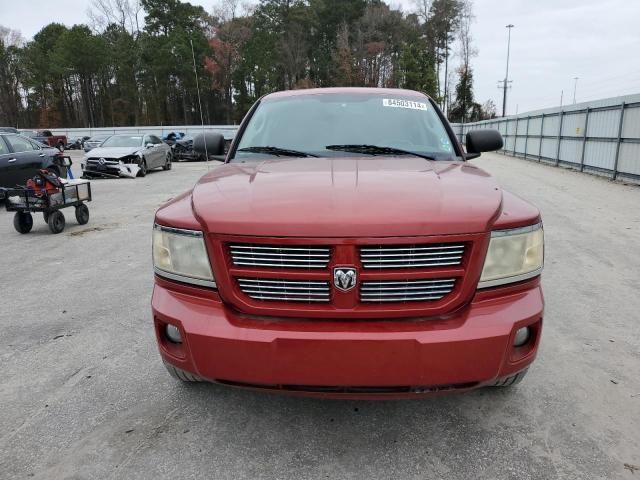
83, 393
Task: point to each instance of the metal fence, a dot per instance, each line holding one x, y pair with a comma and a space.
229, 131
601, 137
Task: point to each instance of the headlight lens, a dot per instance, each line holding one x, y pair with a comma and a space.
513, 256
181, 255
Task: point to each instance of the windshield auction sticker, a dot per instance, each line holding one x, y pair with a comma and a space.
400, 103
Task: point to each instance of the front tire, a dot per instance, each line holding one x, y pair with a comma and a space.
143, 169
23, 222
56, 222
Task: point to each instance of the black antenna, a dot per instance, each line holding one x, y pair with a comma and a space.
195, 72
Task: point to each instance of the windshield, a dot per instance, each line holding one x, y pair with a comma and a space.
122, 141
310, 123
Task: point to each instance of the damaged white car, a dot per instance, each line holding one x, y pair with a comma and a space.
127, 156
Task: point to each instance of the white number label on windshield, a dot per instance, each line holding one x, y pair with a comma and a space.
399, 103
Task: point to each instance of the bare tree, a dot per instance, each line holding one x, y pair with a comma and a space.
423, 9
467, 50
10, 37
124, 13
227, 10
445, 20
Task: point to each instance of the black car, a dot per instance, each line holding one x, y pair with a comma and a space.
22, 157
77, 143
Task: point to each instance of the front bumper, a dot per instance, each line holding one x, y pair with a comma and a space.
120, 170
354, 359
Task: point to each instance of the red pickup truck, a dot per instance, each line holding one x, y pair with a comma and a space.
46, 137
347, 248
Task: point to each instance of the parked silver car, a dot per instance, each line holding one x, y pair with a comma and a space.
127, 156
94, 142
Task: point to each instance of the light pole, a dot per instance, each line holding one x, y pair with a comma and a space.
506, 77
575, 87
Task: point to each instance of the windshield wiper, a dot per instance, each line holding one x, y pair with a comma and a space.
279, 152
375, 150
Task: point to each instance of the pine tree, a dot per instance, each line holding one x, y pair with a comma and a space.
462, 107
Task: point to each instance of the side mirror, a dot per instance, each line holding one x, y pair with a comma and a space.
149, 145
479, 141
209, 143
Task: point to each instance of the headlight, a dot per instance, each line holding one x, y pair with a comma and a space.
181, 255
513, 256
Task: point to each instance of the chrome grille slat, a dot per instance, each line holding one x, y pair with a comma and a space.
280, 282
400, 300
411, 256
376, 283
289, 299
246, 288
401, 291
278, 265
413, 265
274, 256
296, 260
274, 261
283, 248
413, 249
414, 254
412, 259
285, 290
266, 254
369, 289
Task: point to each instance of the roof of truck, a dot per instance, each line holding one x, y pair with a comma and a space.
352, 90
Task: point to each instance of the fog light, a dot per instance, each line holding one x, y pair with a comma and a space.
522, 337
173, 333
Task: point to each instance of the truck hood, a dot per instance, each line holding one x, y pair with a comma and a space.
347, 197
113, 152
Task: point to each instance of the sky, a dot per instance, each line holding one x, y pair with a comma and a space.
553, 42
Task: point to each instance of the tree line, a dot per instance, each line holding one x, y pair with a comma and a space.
139, 62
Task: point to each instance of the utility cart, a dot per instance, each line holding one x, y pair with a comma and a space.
48, 194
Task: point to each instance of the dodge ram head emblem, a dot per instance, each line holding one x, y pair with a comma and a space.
344, 278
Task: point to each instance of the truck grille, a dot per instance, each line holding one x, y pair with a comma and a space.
426, 276
405, 290
411, 256
253, 255
285, 290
